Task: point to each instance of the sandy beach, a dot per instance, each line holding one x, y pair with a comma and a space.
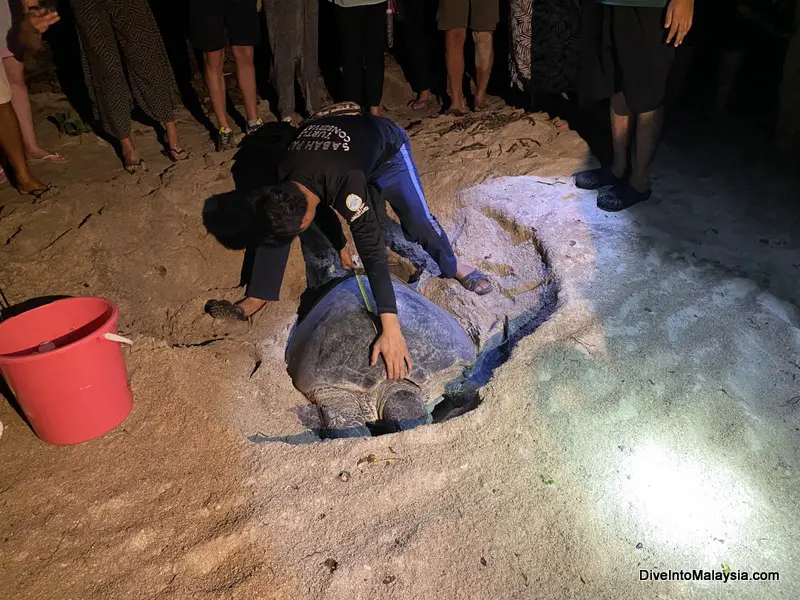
649, 423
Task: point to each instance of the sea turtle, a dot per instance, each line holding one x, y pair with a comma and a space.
328, 359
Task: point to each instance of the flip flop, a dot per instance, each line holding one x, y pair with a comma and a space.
40, 193
134, 168
53, 157
473, 281
456, 112
421, 104
225, 310
176, 154
620, 197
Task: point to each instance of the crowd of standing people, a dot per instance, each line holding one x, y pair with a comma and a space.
618, 49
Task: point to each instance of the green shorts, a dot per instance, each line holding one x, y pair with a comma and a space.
477, 15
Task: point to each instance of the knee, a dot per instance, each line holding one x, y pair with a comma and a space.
456, 37
619, 105
481, 38
214, 60
243, 54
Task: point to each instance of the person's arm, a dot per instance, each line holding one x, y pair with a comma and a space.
352, 202
329, 225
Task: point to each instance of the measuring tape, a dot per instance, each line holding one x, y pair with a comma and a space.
357, 264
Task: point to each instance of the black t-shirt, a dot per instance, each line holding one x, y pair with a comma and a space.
337, 158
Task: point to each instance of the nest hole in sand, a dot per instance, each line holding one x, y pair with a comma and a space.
524, 296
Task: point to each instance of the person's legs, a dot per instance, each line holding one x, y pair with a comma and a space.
452, 18
313, 91
244, 33
283, 25
149, 72
484, 16
351, 25
105, 75
215, 80
484, 59
15, 72
454, 57
401, 187
246, 77
207, 33
14, 148
621, 119
648, 131
373, 49
418, 48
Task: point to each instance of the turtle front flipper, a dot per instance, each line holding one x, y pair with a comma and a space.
341, 413
400, 407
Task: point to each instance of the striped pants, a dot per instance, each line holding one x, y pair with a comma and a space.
124, 62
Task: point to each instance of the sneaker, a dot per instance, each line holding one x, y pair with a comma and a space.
225, 139
253, 126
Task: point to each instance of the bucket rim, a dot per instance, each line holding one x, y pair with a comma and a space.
6, 359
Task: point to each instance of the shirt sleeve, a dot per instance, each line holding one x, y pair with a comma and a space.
353, 203
329, 224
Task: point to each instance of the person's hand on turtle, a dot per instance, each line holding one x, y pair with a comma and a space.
392, 346
679, 20
347, 259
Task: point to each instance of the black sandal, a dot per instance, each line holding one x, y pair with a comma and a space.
40, 193
594, 179
474, 281
135, 167
620, 197
223, 309
177, 154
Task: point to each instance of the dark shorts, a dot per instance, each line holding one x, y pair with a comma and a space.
209, 20
635, 59
477, 15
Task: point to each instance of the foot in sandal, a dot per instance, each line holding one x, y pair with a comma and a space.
473, 279
42, 155
422, 100
239, 311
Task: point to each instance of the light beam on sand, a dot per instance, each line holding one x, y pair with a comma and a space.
687, 502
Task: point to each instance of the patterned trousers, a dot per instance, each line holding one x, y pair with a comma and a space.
124, 61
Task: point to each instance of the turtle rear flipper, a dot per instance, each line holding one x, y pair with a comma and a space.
402, 408
341, 413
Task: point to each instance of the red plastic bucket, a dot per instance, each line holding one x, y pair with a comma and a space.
64, 365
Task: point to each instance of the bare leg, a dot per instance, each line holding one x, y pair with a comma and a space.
246, 76
648, 130
15, 71
14, 148
620, 133
454, 55
130, 156
484, 59
215, 80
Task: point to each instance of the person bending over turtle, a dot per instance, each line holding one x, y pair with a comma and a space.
333, 161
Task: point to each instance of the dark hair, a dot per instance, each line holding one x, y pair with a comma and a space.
279, 210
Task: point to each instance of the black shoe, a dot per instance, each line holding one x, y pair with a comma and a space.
620, 197
595, 178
